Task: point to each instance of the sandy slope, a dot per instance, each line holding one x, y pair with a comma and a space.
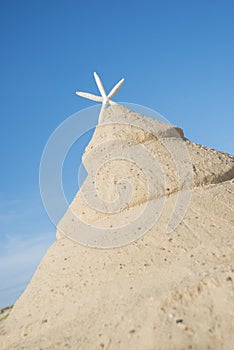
5, 312
165, 291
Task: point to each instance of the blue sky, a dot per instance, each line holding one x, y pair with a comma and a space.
176, 56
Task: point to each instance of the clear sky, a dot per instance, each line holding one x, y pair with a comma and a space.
176, 56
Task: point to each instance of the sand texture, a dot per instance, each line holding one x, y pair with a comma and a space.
164, 291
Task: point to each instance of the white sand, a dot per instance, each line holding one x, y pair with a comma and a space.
165, 291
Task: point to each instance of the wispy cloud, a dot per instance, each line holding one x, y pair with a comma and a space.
25, 235
19, 259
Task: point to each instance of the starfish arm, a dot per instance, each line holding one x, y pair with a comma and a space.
115, 88
89, 96
99, 84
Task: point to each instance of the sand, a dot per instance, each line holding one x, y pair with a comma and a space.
164, 291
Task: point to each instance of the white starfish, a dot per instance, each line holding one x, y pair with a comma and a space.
104, 98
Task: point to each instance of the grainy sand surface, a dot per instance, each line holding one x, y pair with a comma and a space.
164, 291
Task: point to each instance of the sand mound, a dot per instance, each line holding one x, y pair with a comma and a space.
164, 291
